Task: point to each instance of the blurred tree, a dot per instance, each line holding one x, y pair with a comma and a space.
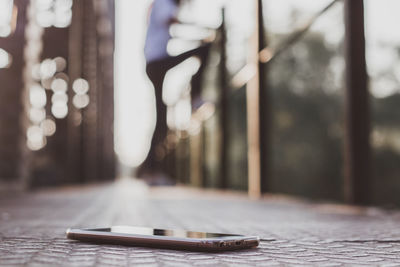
386, 150
307, 121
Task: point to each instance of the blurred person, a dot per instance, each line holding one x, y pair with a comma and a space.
162, 14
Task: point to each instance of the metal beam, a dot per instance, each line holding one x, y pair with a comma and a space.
223, 183
265, 107
357, 119
253, 115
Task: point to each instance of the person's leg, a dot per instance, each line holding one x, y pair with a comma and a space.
153, 162
156, 72
201, 52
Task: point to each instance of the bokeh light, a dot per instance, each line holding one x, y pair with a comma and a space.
37, 115
46, 83
59, 85
32, 49
48, 127
35, 138
5, 30
182, 114
36, 72
45, 18
62, 75
59, 97
63, 4
48, 68
80, 86
59, 110
6, 7
5, 59
55, 13
80, 101
43, 4
62, 18
61, 63
37, 96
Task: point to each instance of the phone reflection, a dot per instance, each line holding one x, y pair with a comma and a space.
163, 232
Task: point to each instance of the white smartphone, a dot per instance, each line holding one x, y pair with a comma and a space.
162, 238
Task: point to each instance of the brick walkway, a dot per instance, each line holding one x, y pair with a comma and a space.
32, 228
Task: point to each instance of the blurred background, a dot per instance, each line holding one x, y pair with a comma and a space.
302, 96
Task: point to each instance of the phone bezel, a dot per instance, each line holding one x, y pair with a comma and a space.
99, 235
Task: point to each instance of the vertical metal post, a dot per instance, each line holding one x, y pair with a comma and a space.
90, 73
253, 115
224, 106
75, 71
265, 106
357, 146
105, 13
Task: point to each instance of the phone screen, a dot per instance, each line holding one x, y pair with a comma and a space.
161, 232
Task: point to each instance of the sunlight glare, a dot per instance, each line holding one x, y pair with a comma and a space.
134, 96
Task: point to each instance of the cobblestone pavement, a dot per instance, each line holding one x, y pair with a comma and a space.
32, 228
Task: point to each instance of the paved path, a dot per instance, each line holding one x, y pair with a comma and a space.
32, 228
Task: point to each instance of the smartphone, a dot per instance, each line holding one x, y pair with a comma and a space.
162, 238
